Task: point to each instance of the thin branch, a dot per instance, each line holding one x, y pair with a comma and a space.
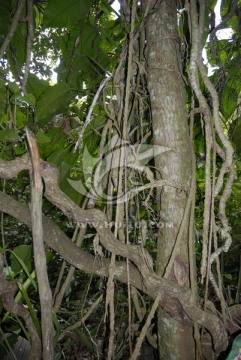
13, 27
30, 39
84, 318
45, 294
145, 328
60, 292
110, 305
88, 117
193, 74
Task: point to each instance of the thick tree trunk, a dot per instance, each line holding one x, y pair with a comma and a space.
170, 128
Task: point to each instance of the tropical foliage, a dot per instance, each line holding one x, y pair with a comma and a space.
85, 266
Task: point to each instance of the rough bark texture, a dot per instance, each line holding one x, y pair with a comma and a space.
170, 128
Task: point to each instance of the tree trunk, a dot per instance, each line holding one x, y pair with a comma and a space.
170, 128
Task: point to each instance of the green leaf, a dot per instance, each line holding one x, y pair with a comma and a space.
63, 154
9, 135
229, 101
20, 119
36, 86
24, 285
57, 327
228, 276
223, 56
31, 309
14, 88
66, 186
225, 7
29, 99
62, 13
53, 101
22, 254
57, 156
78, 186
57, 141
87, 61
89, 138
42, 138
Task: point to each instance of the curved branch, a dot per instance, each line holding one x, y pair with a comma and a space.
175, 299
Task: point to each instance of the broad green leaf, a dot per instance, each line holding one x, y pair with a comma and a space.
22, 258
89, 161
74, 78
25, 100
9, 135
229, 101
63, 154
42, 138
29, 99
25, 285
53, 101
14, 88
57, 156
87, 62
90, 140
78, 186
36, 86
20, 119
23, 253
57, 141
62, 13
20, 149
66, 186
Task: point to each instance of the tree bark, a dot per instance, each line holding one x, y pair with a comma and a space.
170, 128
